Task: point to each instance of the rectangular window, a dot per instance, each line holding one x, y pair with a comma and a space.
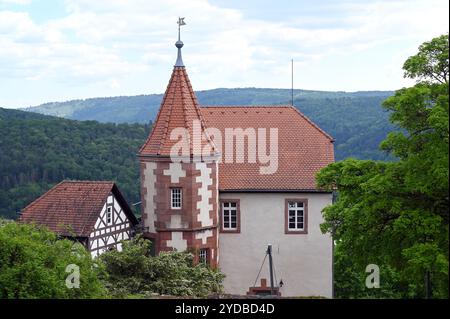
296, 216
203, 256
175, 198
230, 216
109, 215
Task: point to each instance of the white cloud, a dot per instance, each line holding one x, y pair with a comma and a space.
111, 42
21, 2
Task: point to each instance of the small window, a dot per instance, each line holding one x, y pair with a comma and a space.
296, 215
175, 198
109, 215
203, 256
229, 216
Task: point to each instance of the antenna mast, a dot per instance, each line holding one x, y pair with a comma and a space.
292, 82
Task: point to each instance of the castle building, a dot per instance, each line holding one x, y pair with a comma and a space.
225, 181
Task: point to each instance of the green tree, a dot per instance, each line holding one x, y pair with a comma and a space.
33, 264
395, 214
133, 272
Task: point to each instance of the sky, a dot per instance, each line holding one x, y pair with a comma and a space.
58, 50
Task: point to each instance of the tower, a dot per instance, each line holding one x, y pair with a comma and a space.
179, 174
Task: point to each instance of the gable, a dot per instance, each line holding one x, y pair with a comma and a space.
117, 217
111, 227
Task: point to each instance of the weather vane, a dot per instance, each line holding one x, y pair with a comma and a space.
180, 23
179, 44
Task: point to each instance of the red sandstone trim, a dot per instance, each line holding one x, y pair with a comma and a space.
238, 216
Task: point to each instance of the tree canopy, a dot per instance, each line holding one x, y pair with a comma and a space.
395, 214
37, 151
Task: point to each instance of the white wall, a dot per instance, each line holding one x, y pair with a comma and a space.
302, 261
104, 235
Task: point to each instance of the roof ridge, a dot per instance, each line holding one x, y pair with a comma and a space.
86, 181
246, 106
273, 107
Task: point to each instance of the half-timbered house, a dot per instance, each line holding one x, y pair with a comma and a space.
92, 212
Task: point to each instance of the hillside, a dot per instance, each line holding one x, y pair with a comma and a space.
38, 151
356, 120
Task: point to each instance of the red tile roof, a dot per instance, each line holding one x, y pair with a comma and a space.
303, 148
71, 208
179, 109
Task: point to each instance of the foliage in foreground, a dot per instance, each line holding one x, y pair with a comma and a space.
396, 214
133, 271
33, 265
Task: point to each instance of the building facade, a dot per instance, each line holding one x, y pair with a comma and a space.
225, 181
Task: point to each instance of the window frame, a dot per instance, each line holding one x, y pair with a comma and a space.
287, 230
109, 215
238, 216
206, 260
171, 198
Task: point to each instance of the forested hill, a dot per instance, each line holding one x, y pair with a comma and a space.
356, 120
39, 151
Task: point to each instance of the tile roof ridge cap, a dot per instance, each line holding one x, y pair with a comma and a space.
312, 123
87, 181
247, 106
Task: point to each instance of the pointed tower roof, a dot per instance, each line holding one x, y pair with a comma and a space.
179, 109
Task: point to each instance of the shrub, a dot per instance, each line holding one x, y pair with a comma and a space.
33, 264
133, 271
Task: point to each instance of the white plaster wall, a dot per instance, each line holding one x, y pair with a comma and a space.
176, 222
175, 172
177, 242
302, 261
204, 235
149, 181
119, 221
